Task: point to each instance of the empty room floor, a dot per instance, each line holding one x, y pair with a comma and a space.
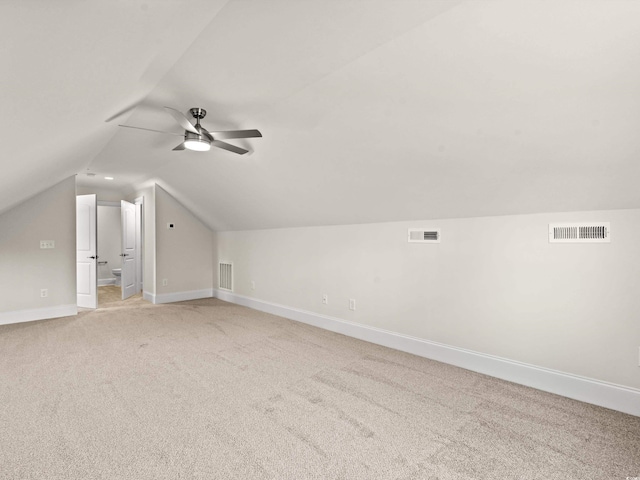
207, 389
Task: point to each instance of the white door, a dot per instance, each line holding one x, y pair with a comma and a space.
139, 245
128, 212
86, 251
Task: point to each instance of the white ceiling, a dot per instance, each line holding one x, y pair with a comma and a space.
371, 110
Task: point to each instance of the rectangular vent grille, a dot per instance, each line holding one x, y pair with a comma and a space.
424, 235
226, 276
579, 232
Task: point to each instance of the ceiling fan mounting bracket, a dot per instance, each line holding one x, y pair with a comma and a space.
198, 113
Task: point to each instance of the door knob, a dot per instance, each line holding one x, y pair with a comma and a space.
93, 256
124, 254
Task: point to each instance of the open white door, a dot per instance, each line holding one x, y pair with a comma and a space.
128, 212
86, 251
139, 245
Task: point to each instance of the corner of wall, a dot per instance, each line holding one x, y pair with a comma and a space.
184, 265
50, 215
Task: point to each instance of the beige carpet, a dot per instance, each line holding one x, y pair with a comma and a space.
209, 390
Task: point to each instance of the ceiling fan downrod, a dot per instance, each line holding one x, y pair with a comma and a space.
198, 114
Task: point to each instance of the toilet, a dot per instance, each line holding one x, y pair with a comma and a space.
117, 272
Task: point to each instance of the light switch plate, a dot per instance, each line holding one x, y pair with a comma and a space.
47, 244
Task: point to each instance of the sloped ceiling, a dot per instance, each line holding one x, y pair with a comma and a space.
371, 110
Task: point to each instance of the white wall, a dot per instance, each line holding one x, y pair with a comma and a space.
104, 194
109, 240
184, 255
25, 268
494, 285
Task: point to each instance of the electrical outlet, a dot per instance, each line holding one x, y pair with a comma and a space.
352, 304
165, 282
171, 226
44, 293
325, 299
253, 285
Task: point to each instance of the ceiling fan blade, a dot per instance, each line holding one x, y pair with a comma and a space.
152, 130
180, 147
182, 120
121, 112
203, 131
236, 134
228, 146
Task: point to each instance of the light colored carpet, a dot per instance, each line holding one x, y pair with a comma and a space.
210, 390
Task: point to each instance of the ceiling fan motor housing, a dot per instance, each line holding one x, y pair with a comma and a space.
192, 136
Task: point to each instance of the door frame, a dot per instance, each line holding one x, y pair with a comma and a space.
129, 228
139, 202
88, 300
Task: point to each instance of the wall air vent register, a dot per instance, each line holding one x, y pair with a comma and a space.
586, 232
424, 235
226, 276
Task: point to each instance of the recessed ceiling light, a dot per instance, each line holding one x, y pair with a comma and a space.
108, 178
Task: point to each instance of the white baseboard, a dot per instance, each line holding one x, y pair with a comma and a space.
106, 281
20, 316
597, 392
178, 296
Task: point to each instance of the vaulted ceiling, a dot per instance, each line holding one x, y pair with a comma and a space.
371, 110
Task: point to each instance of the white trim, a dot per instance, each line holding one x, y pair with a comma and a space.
106, 281
139, 202
597, 392
180, 296
148, 296
20, 316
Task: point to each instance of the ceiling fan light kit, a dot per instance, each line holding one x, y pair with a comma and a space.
198, 138
196, 142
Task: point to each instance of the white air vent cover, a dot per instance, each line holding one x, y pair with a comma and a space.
226, 276
424, 235
587, 232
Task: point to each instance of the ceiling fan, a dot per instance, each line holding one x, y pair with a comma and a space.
198, 138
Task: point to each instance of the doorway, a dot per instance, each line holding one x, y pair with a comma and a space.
109, 250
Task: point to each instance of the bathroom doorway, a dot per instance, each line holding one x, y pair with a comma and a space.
119, 251
117, 274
